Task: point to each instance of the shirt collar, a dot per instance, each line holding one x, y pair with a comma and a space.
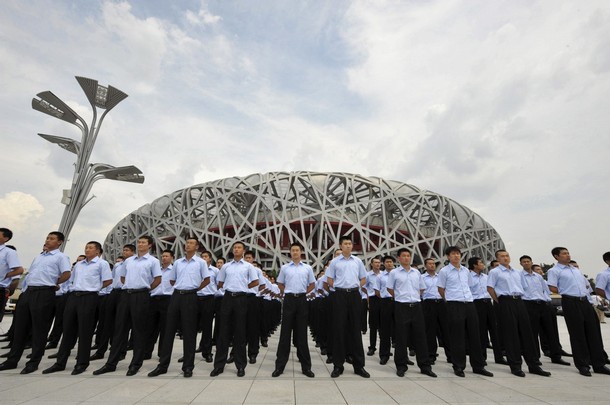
505, 268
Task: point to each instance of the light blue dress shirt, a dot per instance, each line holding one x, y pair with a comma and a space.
47, 267
457, 282
212, 287
506, 281
236, 275
602, 281
189, 273
296, 277
431, 291
568, 280
381, 284
140, 271
407, 284
90, 275
536, 288
8, 261
370, 282
165, 287
479, 291
346, 272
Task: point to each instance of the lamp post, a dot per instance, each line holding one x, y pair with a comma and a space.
85, 174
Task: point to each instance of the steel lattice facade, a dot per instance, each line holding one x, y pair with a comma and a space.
270, 211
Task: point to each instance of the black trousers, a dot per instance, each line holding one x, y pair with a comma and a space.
386, 327
437, 327
365, 312
294, 322
488, 328
374, 320
410, 329
518, 337
58, 322
105, 330
206, 319
253, 325
35, 313
101, 318
233, 317
463, 331
182, 312
4, 292
159, 305
79, 323
217, 307
132, 309
329, 306
585, 336
541, 319
347, 311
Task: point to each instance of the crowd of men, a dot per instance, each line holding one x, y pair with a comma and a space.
143, 303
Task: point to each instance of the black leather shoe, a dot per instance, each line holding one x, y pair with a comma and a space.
276, 373
4, 356
53, 369
329, 360
209, 358
147, 357
252, 360
29, 369
518, 373
241, 372
78, 370
7, 366
96, 356
216, 372
132, 371
7, 346
560, 361
584, 371
539, 371
52, 356
230, 359
157, 372
198, 350
187, 373
50, 346
370, 352
105, 369
5, 339
501, 361
362, 373
602, 370
482, 371
401, 372
264, 343
564, 353
94, 347
383, 360
429, 372
308, 373
349, 360
410, 363
181, 359
459, 372
337, 371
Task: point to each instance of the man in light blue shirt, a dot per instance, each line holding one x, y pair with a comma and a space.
454, 284
206, 297
386, 308
36, 304
188, 275
10, 267
506, 286
140, 274
374, 305
159, 303
602, 281
582, 323
406, 285
89, 276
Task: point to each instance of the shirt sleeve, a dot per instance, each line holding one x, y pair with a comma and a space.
552, 278
442, 279
222, 273
310, 277
601, 281
64, 264
422, 283
106, 273
492, 278
391, 281
156, 268
12, 260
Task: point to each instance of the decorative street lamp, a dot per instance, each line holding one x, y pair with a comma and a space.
85, 174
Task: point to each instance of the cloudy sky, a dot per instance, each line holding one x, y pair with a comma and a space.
501, 105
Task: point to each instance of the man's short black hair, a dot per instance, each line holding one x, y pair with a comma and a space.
473, 262
7, 233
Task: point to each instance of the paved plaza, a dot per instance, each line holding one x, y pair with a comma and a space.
565, 386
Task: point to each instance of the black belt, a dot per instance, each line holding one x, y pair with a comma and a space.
408, 304
347, 290
40, 288
387, 299
512, 297
205, 297
483, 300
236, 294
573, 298
161, 297
116, 291
539, 302
135, 290
438, 301
81, 293
295, 295
183, 292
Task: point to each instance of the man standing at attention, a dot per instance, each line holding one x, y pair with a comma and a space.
406, 285
454, 284
9, 267
582, 323
188, 275
35, 309
506, 287
141, 273
374, 304
237, 277
435, 313
347, 275
89, 276
295, 281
